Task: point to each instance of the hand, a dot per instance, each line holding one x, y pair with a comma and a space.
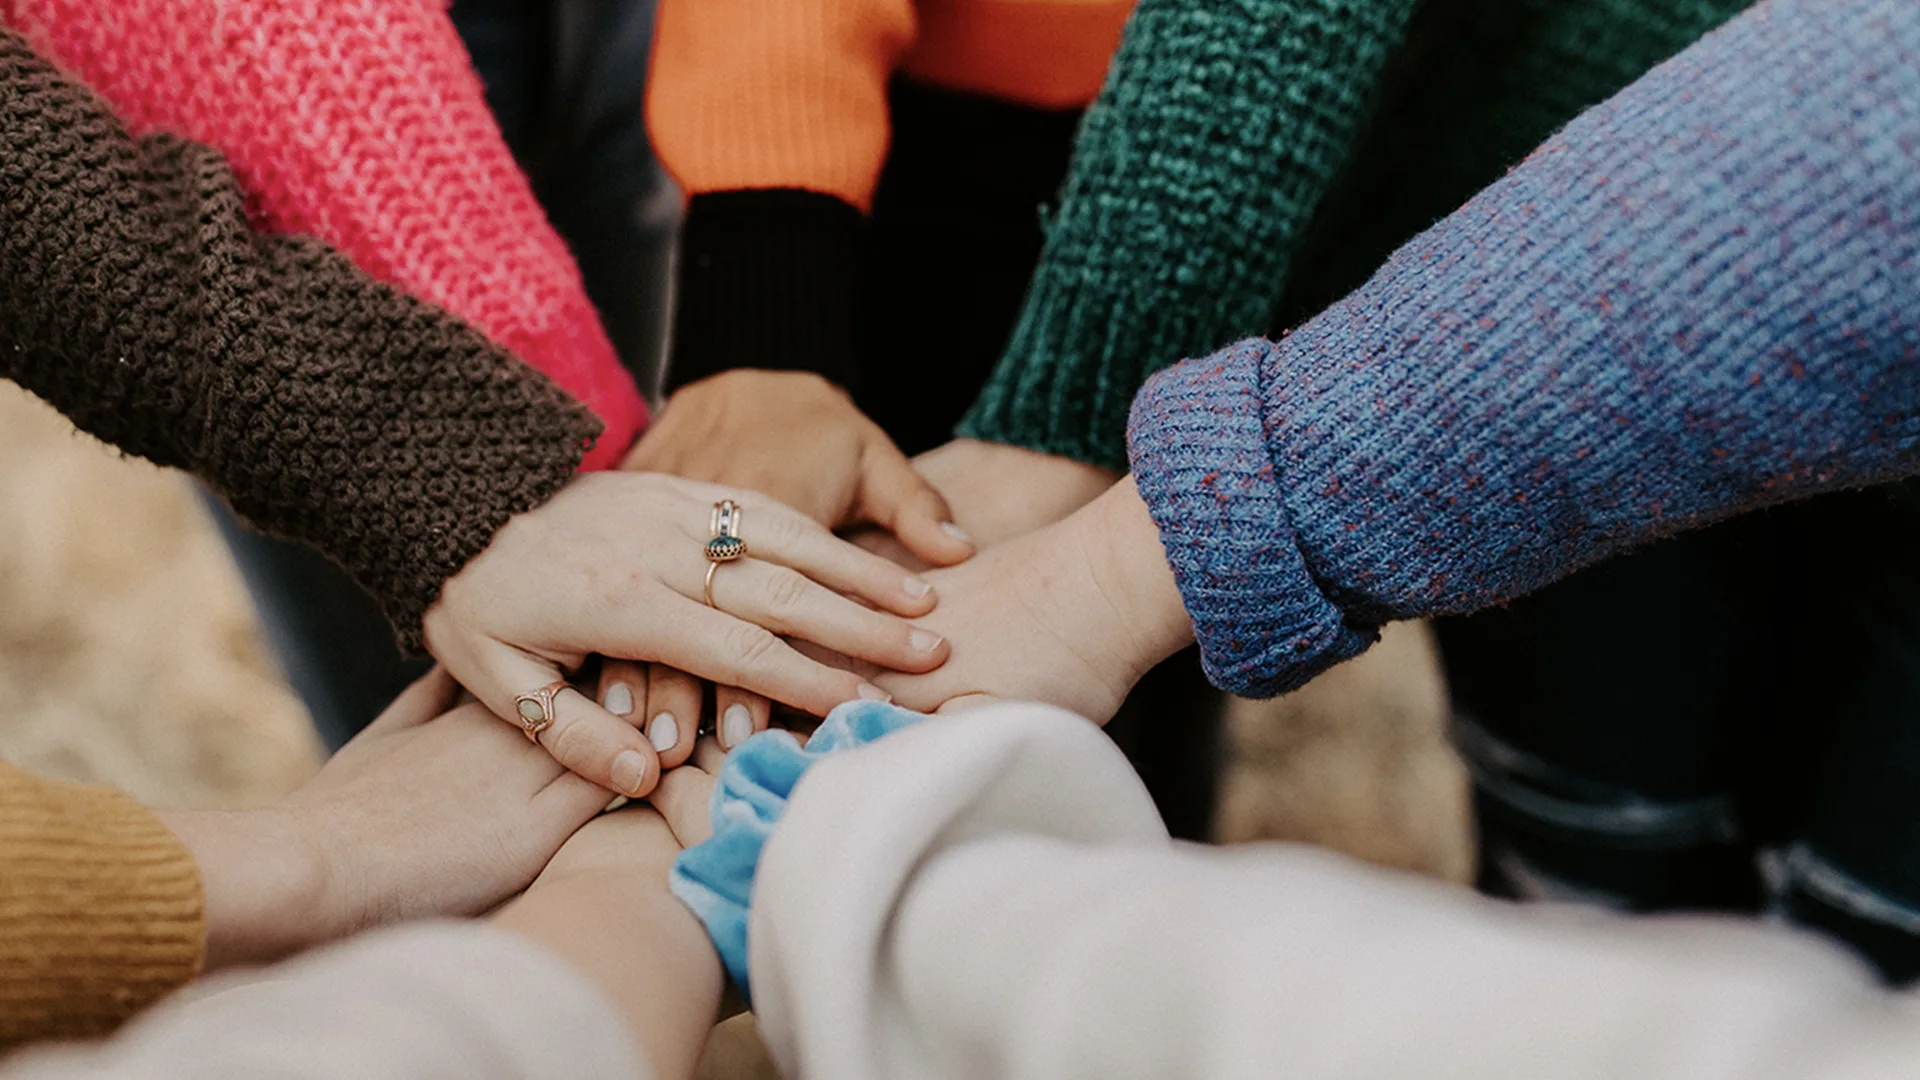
422, 814
997, 492
799, 438
1072, 615
614, 565
602, 905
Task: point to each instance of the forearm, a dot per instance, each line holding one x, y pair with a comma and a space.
259, 882
324, 406
361, 123
641, 948
1220, 127
450, 999
1691, 303
773, 118
992, 895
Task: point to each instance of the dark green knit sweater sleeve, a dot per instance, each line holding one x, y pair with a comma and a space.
323, 405
1221, 125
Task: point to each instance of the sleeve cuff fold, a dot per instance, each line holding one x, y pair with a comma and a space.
1200, 459
769, 279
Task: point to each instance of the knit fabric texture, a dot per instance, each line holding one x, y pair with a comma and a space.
360, 122
1227, 159
1220, 127
1697, 300
100, 909
323, 405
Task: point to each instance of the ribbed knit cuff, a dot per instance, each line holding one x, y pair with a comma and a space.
1218, 133
100, 909
768, 279
1201, 463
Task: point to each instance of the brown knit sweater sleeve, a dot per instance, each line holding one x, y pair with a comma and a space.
324, 406
100, 909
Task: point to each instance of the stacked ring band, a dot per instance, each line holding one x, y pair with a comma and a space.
726, 544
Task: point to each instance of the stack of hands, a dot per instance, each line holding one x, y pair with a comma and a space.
976, 570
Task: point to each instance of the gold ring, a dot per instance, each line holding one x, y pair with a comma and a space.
536, 709
726, 544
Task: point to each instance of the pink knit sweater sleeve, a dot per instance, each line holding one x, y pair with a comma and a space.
360, 122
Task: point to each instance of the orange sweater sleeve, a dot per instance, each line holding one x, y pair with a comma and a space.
100, 909
756, 94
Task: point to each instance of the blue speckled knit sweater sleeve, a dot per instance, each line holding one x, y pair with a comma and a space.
1701, 297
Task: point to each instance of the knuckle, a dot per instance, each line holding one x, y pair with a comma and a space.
787, 593
782, 529
571, 741
751, 646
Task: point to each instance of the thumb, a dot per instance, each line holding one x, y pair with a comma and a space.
898, 499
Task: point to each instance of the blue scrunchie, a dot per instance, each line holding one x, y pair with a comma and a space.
715, 878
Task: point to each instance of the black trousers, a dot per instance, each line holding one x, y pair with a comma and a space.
1728, 720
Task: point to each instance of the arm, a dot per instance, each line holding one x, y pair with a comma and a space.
106, 906
421, 1001
359, 122
596, 972
1694, 301
773, 120
992, 896
324, 406
1219, 130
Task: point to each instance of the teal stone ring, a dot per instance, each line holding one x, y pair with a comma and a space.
726, 544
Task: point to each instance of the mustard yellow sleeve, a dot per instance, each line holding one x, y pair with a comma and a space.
100, 909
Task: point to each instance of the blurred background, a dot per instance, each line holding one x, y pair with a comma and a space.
129, 656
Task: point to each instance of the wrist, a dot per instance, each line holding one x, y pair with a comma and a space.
1130, 569
646, 953
261, 882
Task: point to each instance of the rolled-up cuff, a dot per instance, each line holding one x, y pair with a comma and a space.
1198, 448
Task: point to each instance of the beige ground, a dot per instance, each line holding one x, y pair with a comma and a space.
128, 656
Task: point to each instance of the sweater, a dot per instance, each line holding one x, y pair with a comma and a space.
992, 896
1694, 301
324, 406
428, 1000
775, 119
1243, 149
359, 122
100, 909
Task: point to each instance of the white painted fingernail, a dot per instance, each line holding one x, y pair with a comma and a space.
917, 587
736, 726
956, 532
923, 640
664, 732
619, 699
629, 769
873, 693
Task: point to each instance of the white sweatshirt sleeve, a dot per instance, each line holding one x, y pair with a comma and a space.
432, 1001
992, 895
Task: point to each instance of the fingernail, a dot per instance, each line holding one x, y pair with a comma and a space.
629, 769
923, 640
736, 726
873, 693
917, 587
619, 699
956, 532
664, 732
